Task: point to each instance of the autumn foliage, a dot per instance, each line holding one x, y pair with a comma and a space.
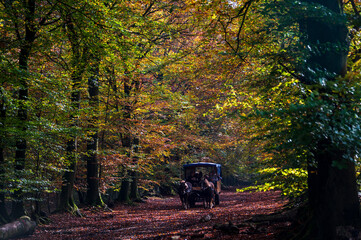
104, 101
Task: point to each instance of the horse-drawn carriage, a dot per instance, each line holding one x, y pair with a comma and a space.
202, 182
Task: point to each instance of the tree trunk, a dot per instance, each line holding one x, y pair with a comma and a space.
129, 189
134, 192
93, 193
333, 195
124, 192
21, 143
4, 217
78, 63
19, 228
332, 191
67, 202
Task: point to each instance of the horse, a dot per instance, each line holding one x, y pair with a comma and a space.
208, 193
184, 192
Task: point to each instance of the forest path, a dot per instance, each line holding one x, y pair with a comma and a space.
163, 218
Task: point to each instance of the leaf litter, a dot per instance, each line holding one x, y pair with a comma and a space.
163, 218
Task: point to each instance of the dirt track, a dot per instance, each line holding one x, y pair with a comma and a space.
164, 219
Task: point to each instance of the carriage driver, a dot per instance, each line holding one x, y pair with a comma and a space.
213, 177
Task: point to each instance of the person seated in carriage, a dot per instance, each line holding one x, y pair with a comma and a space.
214, 177
195, 178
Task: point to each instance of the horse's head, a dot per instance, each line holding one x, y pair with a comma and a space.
184, 187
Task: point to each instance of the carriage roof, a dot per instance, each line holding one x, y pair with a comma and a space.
202, 164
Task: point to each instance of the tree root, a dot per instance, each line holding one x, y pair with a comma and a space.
71, 208
229, 228
40, 218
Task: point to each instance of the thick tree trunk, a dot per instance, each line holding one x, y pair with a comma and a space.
332, 191
333, 195
129, 188
134, 192
124, 193
18, 208
78, 63
21, 143
93, 193
67, 202
93, 196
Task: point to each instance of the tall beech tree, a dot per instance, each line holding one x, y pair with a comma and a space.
25, 21
22, 30
79, 59
331, 173
130, 142
92, 158
318, 125
27, 42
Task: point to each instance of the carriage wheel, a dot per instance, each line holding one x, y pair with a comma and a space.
216, 199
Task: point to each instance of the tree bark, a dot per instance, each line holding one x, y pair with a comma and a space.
332, 193
67, 202
93, 193
130, 142
18, 209
78, 63
134, 192
124, 193
4, 217
19, 228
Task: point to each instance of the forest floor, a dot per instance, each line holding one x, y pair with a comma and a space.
163, 218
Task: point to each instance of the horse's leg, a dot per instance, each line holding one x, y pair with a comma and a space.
183, 203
